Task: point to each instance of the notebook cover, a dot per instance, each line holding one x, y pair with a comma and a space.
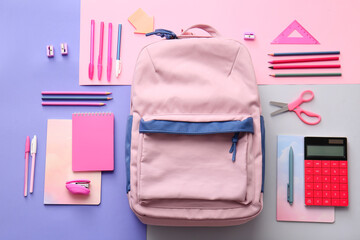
58, 168
93, 142
297, 211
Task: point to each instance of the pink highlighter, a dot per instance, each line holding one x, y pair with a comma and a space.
100, 50
80, 186
92, 39
109, 53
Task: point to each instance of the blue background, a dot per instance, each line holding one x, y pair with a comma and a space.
26, 28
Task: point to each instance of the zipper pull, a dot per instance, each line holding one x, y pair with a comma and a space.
163, 33
235, 139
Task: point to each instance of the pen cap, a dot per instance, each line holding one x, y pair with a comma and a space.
33, 144
27, 144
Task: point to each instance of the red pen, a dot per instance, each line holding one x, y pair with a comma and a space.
304, 60
27, 151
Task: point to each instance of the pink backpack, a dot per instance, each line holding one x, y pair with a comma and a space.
195, 137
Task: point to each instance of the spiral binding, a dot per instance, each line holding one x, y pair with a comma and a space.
86, 114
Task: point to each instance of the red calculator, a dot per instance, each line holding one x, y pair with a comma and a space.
326, 171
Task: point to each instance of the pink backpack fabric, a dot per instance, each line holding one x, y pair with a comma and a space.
194, 144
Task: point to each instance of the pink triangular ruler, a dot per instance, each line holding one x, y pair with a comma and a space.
284, 38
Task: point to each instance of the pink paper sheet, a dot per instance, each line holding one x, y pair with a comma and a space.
331, 22
58, 168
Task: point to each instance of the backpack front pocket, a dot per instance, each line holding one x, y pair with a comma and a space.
204, 161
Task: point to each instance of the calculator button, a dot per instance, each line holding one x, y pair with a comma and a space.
343, 187
343, 164
308, 163
335, 202
335, 179
309, 171
318, 194
326, 179
317, 163
317, 201
325, 171
344, 194
326, 194
309, 178
325, 164
334, 163
344, 202
308, 193
343, 179
318, 186
309, 201
326, 186
326, 201
343, 171
317, 171
335, 186
309, 186
317, 179
335, 171
335, 194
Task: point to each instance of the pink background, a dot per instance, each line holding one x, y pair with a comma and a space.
327, 20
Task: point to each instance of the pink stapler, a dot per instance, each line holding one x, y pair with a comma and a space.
78, 186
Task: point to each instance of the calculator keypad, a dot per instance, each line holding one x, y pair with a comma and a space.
326, 183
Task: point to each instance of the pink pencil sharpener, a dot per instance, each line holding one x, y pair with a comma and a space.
50, 51
249, 36
78, 186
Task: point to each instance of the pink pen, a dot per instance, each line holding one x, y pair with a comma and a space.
100, 50
27, 150
92, 39
109, 53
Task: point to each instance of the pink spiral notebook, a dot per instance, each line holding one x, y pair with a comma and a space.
92, 142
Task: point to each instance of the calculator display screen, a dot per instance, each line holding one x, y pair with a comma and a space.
317, 150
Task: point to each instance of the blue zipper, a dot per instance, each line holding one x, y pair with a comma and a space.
235, 139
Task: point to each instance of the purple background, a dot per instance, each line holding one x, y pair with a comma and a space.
26, 28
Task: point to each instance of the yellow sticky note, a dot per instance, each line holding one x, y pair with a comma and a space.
142, 22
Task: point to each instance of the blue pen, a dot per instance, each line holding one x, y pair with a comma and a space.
118, 62
290, 186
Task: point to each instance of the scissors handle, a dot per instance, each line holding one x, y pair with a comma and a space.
305, 96
300, 111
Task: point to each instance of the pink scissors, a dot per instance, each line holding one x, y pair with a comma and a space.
294, 106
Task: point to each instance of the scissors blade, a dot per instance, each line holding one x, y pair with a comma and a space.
284, 108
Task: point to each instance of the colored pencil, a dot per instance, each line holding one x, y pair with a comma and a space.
76, 98
72, 104
304, 53
304, 60
73, 93
304, 66
305, 75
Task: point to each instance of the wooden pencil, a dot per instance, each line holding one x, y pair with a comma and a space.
304, 60
304, 53
306, 75
304, 66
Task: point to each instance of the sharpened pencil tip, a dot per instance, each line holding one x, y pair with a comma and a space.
107, 93
271, 67
272, 75
269, 61
271, 54
109, 98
